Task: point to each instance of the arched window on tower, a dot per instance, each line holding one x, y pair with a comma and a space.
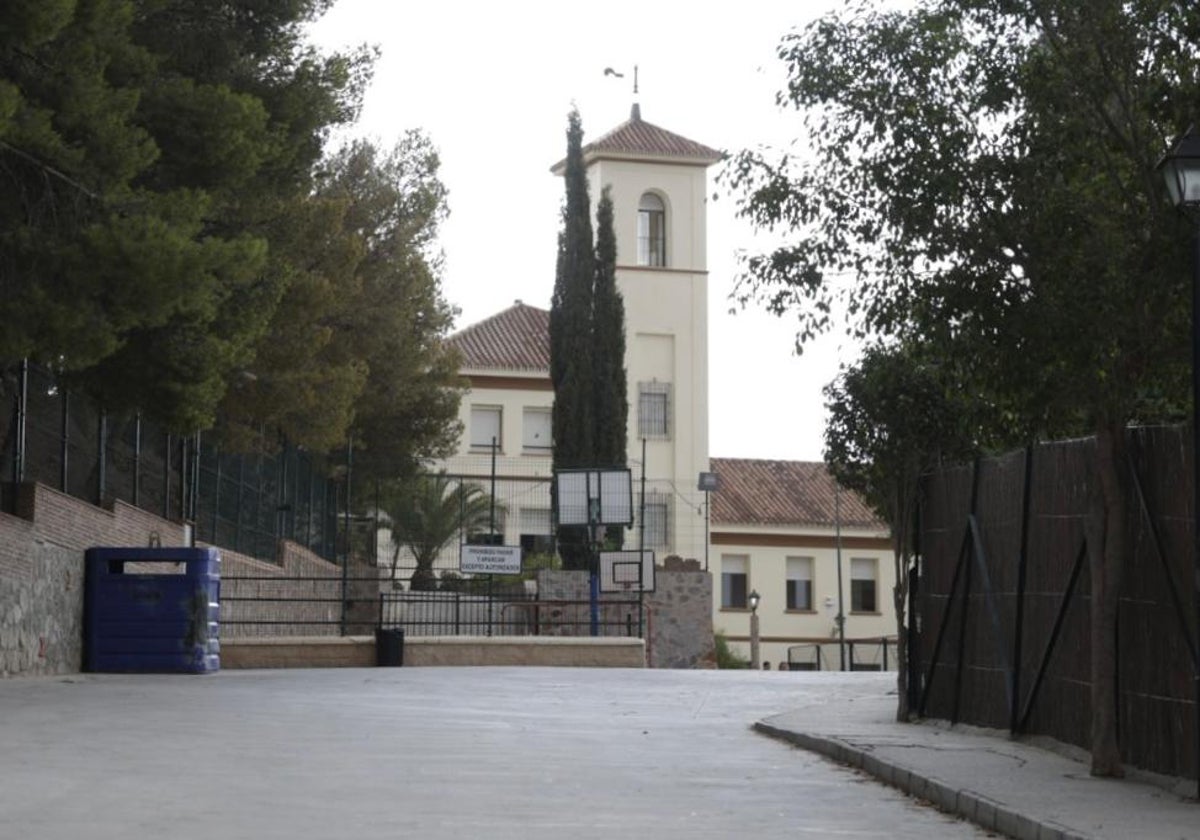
652, 230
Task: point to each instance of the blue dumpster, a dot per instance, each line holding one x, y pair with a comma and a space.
160, 615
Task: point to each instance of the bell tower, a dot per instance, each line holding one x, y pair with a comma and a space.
658, 183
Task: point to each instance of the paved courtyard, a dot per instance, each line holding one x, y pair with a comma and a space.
434, 753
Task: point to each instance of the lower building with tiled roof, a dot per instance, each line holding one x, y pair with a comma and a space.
812, 551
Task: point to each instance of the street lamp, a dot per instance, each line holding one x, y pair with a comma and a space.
753, 599
1180, 167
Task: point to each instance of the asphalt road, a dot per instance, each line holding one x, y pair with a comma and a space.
434, 753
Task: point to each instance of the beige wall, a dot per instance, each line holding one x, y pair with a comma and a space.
767, 570
666, 314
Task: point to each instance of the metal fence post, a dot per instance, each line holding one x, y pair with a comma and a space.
22, 414
101, 461
65, 441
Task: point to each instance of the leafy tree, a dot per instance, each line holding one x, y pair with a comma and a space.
426, 513
146, 145
355, 345
982, 172
892, 417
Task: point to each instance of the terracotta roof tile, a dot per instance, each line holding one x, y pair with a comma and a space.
758, 492
516, 339
637, 138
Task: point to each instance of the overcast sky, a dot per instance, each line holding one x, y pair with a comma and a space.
491, 83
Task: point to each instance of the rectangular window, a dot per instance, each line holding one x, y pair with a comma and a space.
654, 410
652, 238
799, 583
535, 434
863, 584
537, 535
485, 427
734, 569
656, 530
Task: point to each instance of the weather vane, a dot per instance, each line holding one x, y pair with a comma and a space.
608, 71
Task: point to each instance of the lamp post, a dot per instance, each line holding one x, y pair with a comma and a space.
1180, 167
754, 659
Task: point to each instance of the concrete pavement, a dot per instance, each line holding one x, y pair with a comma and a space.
520, 753
529, 753
1017, 789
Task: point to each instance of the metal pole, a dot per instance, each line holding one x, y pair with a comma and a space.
101, 471
1196, 486
841, 616
66, 440
492, 511
19, 452
137, 461
754, 640
346, 557
707, 521
642, 549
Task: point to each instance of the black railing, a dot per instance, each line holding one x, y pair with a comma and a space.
510, 614
273, 605
868, 654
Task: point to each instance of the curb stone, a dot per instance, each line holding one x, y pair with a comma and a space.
984, 812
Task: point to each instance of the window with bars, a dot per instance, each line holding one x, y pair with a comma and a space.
656, 522
654, 410
799, 583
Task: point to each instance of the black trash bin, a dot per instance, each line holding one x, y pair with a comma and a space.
389, 647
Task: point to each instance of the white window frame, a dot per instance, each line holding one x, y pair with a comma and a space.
864, 570
652, 231
654, 423
476, 431
536, 435
732, 566
799, 570
656, 526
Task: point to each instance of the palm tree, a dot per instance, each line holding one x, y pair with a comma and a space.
427, 513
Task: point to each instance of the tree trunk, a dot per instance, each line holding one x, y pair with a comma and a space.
904, 501
1106, 534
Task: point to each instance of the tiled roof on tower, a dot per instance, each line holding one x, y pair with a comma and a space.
638, 139
759, 492
517, 339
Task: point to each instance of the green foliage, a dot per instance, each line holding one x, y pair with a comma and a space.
427, 513
587, 342
571, 349
610, 401
727, 657
981, 182
172, 240
355, 342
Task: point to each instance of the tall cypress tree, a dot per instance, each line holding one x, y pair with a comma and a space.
571, 348
610, 399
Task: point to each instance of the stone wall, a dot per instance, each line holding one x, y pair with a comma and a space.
679, 612
42, 572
